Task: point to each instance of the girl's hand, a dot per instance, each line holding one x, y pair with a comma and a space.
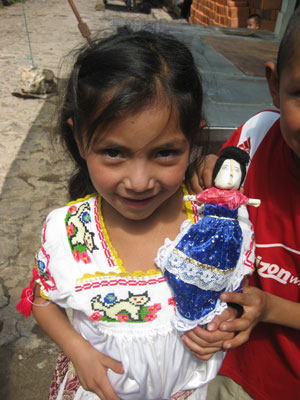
254, 303
257, 306
204, 343
201, 175
91, 367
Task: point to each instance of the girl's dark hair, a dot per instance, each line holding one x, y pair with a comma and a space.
234, 153
122, 75
289, 44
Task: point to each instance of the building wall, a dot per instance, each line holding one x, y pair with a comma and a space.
234, 13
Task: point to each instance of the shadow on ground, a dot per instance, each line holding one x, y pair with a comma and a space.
34, 185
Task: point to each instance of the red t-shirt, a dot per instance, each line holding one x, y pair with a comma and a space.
268, 365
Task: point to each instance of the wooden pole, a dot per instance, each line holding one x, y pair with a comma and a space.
83, 28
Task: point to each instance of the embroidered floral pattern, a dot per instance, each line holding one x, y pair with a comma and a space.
81, 240
43, 275
63, 367
41, 268
171, 302
132, 309
122, 317
184, 394
110, 298
96, 316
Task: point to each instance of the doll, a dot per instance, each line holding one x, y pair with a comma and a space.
215, 253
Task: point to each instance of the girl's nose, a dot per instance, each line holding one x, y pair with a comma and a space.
139, 178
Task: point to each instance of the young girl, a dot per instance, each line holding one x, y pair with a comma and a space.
130, 119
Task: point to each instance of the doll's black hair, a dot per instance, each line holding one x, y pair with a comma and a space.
119, 76
234, 153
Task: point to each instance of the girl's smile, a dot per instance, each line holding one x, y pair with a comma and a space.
138, 203
139, 163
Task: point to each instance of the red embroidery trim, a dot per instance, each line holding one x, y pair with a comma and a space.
195, 211
110, 258
114, 282
44, 283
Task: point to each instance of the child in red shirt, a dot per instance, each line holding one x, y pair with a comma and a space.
267, 366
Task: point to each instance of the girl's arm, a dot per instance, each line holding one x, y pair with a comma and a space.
281, 311
91, 365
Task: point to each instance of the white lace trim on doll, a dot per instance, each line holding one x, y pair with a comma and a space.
182, 324
203, 276
166, 251
168, 245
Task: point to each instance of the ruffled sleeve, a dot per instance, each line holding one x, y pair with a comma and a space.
53, 266
53, 261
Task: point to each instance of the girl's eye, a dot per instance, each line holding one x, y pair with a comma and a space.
112, 153
166, 153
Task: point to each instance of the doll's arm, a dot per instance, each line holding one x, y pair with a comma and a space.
91, 365
206, 196
254, 202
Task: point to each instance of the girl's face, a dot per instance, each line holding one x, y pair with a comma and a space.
139, 163
229, 175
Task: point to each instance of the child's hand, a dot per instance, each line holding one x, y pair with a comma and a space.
254, 303
91, 367
204, 343
202, 176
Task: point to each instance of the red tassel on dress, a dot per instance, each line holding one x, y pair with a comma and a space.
25, 304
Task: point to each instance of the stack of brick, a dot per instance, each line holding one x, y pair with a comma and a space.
229, 13
234, 13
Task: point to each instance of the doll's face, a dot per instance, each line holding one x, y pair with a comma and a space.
229, 175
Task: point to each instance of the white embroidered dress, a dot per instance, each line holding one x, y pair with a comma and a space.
125, 316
